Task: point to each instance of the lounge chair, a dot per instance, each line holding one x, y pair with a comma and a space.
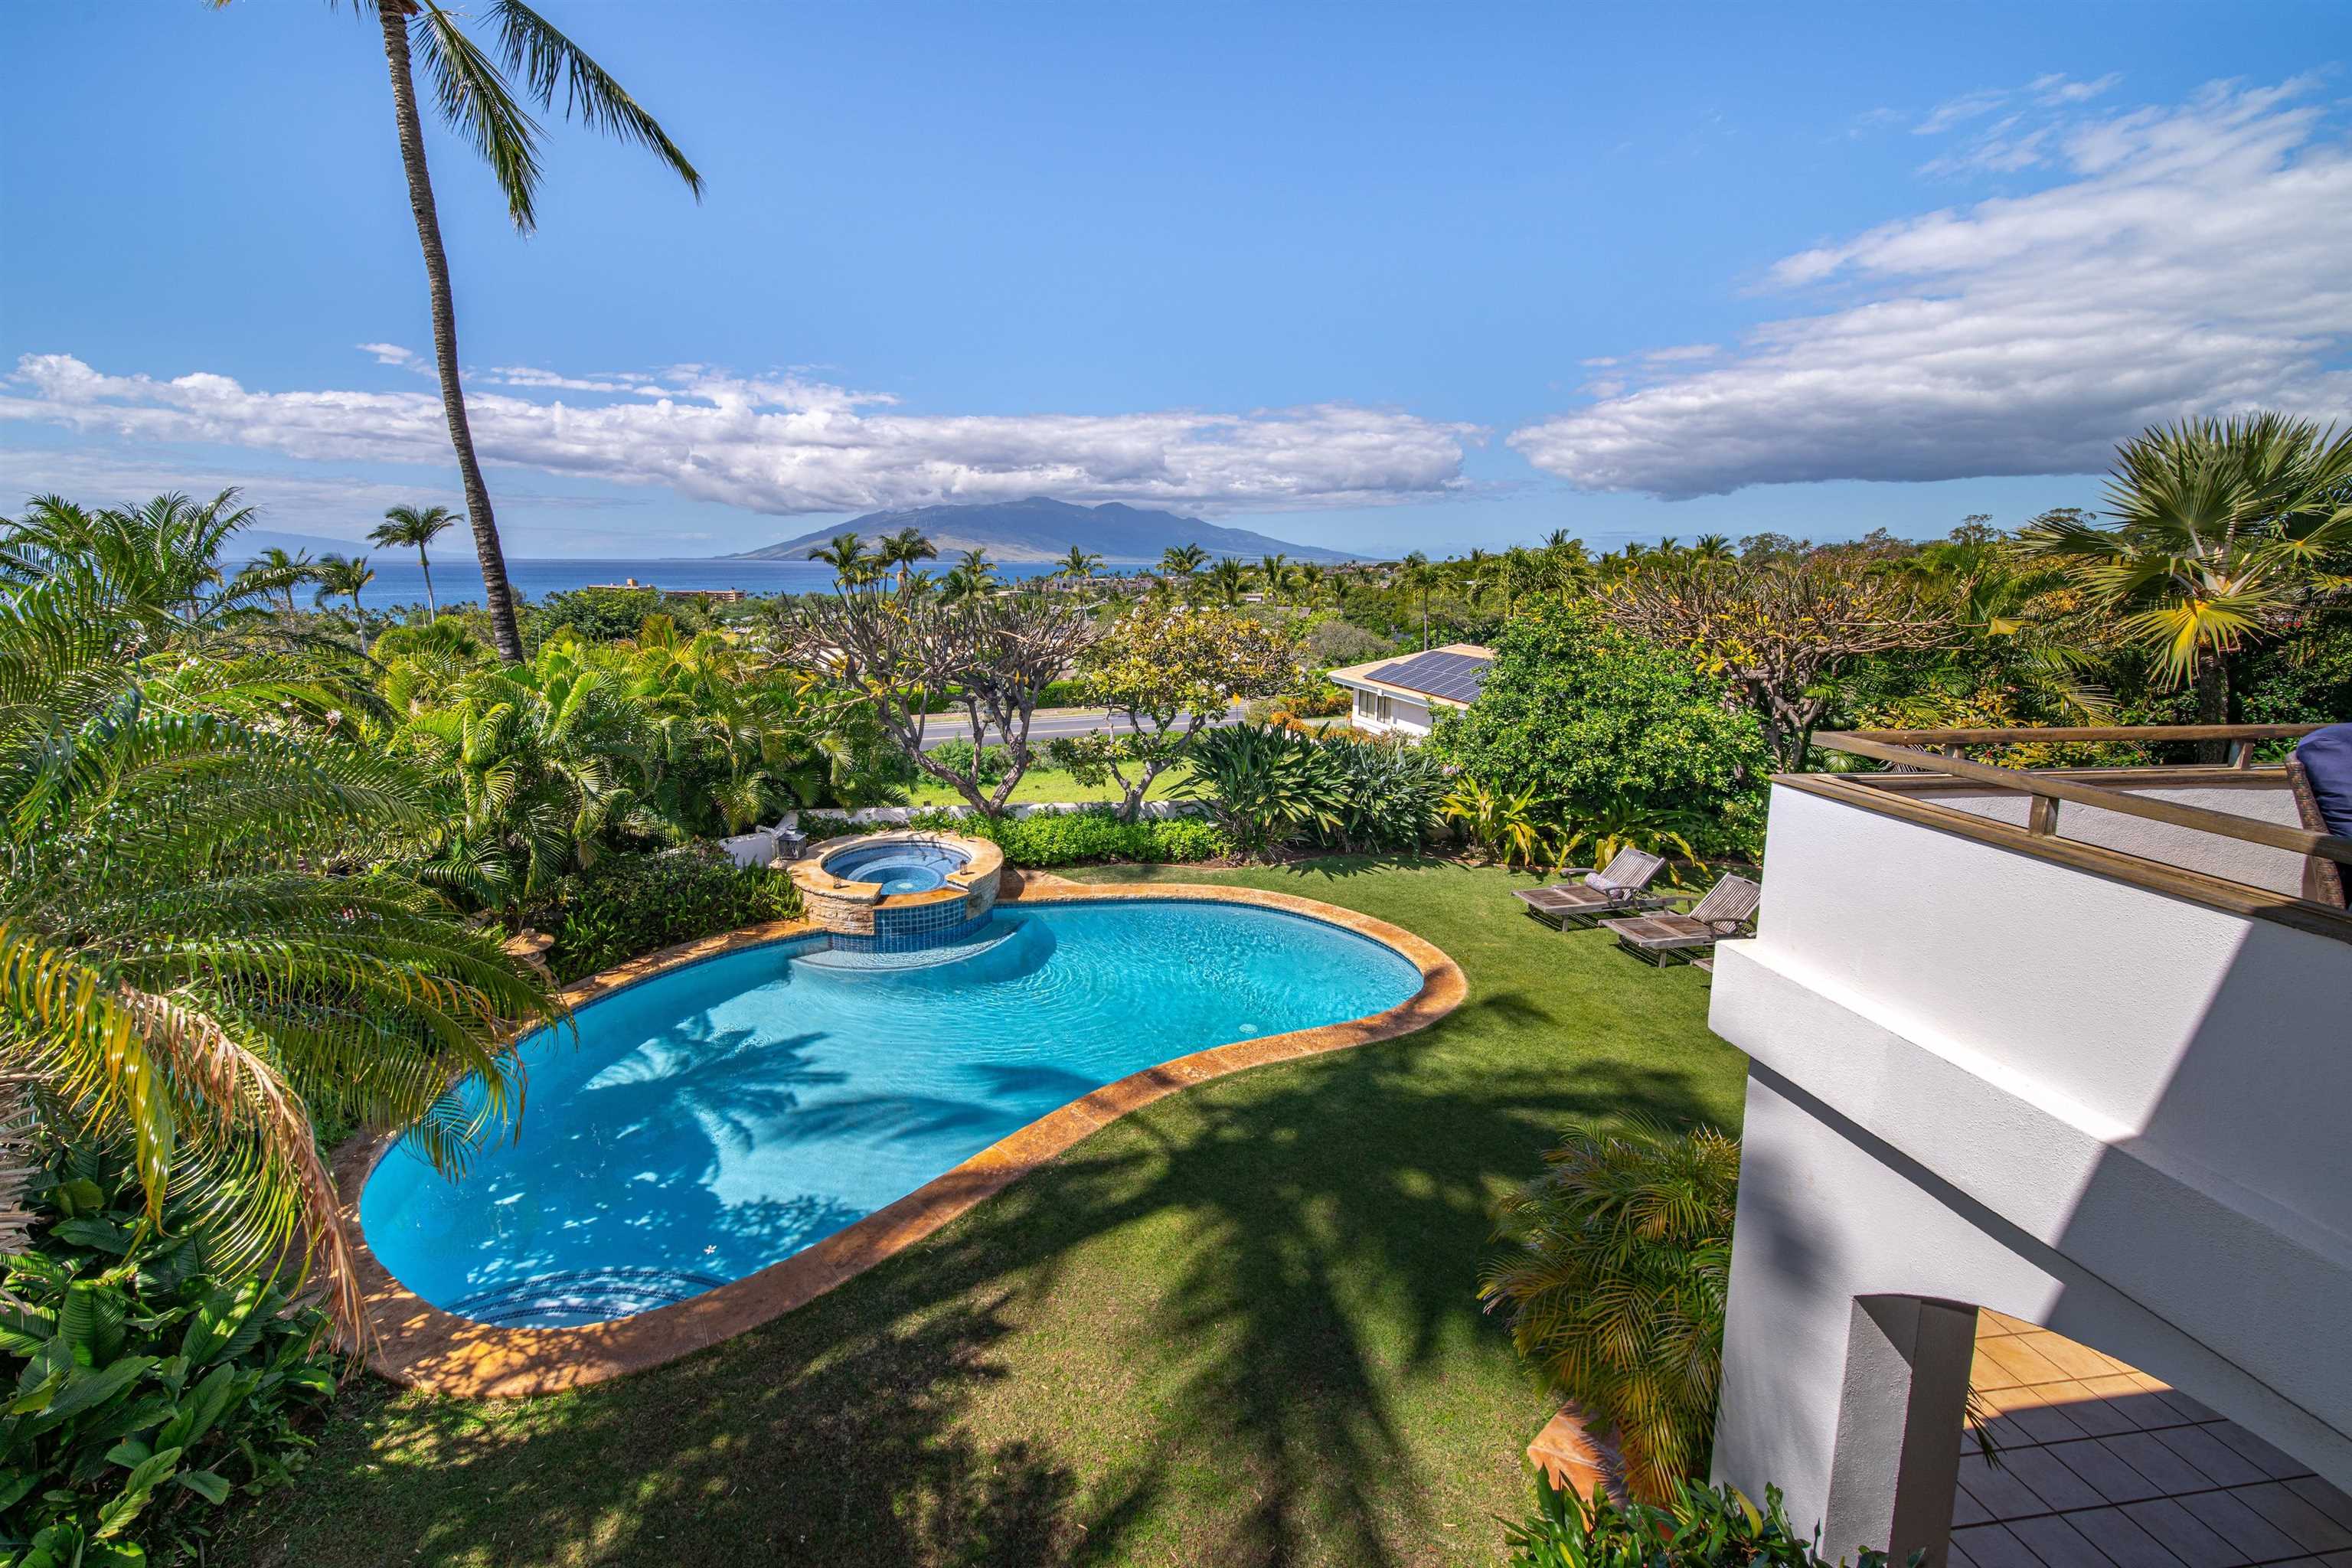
1619, 888
1660, 939
2321, 773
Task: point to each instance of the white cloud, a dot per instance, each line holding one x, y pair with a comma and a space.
2192, 262
1959, 111
397, 357
785, 444
1682, 353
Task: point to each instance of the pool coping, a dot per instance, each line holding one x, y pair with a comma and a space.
417, 1345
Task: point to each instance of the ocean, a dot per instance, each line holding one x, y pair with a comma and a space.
456, 578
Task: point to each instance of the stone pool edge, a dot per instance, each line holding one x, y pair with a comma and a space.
417, 1345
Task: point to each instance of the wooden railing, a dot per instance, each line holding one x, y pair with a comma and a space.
1901, 748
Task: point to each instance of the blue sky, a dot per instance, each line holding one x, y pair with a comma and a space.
1377, 278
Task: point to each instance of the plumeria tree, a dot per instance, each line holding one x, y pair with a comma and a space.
991, 658
1168, 674
1780, 632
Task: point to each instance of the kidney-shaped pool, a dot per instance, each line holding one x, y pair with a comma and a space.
719, 1118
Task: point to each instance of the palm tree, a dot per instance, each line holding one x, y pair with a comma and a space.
970, 577
902, 549
2223, 530
1714, 549
1078, 565
1308, 579
200, 948
846, 555
406, 526
480, 99
1615, 1287
1182, 560
1416, 573
1229, 577
344, 575
282, 573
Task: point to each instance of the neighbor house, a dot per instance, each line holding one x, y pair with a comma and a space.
2070, 1046
1405, 696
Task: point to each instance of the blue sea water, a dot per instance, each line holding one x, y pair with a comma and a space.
457, 578
715, 1119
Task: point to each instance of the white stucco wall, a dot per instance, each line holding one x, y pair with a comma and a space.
1986, 1077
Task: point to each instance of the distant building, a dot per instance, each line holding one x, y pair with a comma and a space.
1405, 696
708, 596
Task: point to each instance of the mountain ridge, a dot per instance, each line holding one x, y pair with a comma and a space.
1040, 528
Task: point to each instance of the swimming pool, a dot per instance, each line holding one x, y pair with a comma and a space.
719, 1118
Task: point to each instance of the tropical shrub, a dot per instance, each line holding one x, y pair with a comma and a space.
149, 1387
594, 614
1699, 1527
1262, 784
1509, 829
1334, 641
1391, 794
1605, 725
625, 905
1045, 839
992, 761
1614, 1287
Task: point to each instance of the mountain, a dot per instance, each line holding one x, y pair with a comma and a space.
249, 542
1041, 529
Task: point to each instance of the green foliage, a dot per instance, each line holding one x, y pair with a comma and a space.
1046, 839
594, 614
1390, 791
992, 761
202, 935
148, 1388
1508, 828
1605, 726
2305, 679
625, 905
1699, 1527
1262, 784
1615, 1283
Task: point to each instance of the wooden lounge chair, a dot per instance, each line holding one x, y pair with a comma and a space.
1619, 888
1661, 939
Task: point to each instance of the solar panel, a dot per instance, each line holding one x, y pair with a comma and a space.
1456, 677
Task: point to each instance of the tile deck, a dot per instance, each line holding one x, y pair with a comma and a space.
2105, 1466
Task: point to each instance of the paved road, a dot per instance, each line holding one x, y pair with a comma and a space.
1046, 724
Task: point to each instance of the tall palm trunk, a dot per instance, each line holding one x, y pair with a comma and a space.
432, 606
2212, 687
496, 596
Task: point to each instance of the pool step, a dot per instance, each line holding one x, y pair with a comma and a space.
981, 937
583, 1296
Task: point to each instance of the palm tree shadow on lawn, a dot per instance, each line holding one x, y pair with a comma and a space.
1178, 1342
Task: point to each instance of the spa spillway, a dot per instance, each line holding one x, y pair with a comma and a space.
898, 893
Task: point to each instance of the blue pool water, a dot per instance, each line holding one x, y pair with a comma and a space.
899, 868
717, 1119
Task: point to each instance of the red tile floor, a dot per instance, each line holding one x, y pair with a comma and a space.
2101, 1464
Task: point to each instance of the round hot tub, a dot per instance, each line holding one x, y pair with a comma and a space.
899, 891
897, 866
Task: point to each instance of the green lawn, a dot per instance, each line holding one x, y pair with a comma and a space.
1235, 1327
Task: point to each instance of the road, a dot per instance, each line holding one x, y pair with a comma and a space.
1046, 724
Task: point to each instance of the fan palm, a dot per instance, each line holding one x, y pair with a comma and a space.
481, 99
2224, 530
196, 951
406, 527
1615, 1287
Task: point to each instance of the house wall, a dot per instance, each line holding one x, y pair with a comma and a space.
1404, 716
1981, 1076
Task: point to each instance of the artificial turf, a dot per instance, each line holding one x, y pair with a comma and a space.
1238, 1327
